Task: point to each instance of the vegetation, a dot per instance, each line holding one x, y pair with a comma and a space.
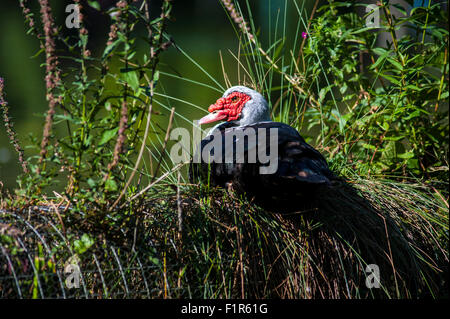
377, 110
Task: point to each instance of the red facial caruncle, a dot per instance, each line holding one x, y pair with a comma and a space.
226, 108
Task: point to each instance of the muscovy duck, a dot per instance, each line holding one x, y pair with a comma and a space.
298, 170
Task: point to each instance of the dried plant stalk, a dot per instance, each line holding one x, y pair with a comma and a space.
10, 129
52, 77
121, 135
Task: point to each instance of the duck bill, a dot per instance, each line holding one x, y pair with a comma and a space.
213, 117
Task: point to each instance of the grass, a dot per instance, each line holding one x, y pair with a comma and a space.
172, 239
227, 247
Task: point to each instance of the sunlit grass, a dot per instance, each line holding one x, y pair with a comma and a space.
203, 242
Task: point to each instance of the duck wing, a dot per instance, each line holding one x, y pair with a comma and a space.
296, 160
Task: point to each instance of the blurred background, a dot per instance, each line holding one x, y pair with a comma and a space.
200, 27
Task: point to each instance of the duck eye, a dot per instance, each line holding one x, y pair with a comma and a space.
234, 99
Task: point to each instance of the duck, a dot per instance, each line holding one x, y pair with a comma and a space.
249, 154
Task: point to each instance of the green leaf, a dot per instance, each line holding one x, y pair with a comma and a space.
109, 48
384, 126
379, 60
368, 146
395, 63
412, 87
131, 78
394, 138
63, 117
341, 120
390, 152
111, 185
87, 241
38, 53
156, 77
278, 50
412, 115
108, 135
83, 244
94, 4
380, 51
91, 182
391, 78
406, 155
155, 261
413, 163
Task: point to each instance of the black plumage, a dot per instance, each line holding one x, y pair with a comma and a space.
302, 171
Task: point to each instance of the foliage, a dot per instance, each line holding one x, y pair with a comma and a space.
99, 107
378, 96
378, 112
227, 247
391, 112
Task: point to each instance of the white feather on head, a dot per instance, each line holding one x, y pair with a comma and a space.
255, 110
